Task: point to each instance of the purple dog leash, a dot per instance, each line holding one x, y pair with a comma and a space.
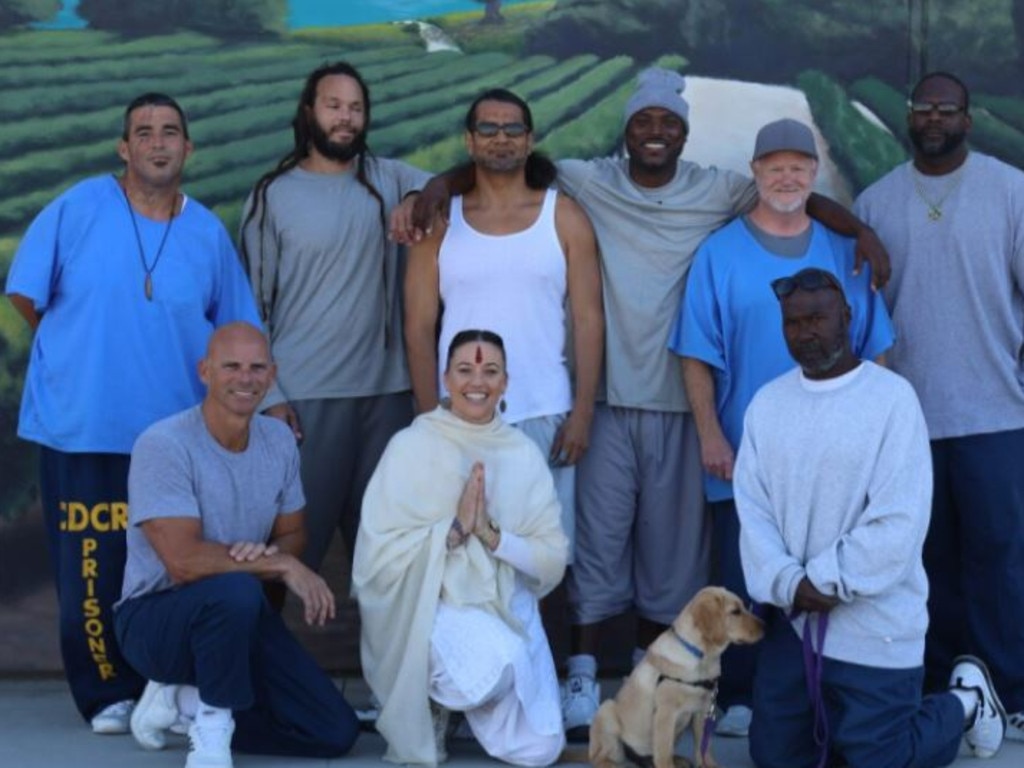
814, 664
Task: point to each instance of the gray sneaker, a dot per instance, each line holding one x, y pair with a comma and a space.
155, 713
984, 734
581, 696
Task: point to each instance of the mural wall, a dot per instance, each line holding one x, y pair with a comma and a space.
68, 68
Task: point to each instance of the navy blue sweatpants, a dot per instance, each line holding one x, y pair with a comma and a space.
974, 556
220, 635
876, 717
84, 498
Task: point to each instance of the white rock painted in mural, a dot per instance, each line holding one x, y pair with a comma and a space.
432, 36
725, 116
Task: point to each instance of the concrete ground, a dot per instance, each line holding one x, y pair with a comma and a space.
40, 728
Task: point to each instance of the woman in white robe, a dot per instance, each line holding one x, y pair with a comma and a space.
460, 536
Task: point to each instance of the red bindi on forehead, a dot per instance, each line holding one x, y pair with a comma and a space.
479, 354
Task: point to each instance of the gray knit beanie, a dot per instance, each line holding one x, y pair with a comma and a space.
658, 87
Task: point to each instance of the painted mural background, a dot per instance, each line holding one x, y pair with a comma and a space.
67, 70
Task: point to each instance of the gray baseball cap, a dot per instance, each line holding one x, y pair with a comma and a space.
785, 135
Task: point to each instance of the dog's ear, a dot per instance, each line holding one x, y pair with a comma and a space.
709, 617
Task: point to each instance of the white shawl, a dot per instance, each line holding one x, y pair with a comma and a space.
402, 567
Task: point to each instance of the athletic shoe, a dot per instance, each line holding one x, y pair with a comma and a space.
156, 712
367, 716
181, 725
984, 734
210, 746
581, 696
114, 718
735, 722
440, 716
1015, 726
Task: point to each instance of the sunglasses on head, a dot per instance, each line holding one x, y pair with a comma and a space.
807, 280
512, 130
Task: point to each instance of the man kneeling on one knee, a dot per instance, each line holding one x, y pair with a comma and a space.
215, 508
833, 487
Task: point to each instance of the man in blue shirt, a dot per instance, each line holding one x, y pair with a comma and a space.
122, 280
727, 334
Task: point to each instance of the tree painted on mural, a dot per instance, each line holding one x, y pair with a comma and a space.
18, 13
220, 18
492, 12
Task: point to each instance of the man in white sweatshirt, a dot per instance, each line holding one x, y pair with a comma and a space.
833, 489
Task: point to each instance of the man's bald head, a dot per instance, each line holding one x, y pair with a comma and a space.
235, 333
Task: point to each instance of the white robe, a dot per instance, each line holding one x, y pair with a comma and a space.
402, 568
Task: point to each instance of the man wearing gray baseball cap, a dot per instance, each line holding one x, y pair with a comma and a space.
727, 333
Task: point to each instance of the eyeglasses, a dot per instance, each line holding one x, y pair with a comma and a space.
945, 108
512, 130
807, 280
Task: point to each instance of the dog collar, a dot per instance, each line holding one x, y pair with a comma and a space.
687, 644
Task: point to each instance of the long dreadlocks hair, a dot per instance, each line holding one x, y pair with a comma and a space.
303, 141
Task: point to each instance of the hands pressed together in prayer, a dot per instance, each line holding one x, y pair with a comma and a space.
471, 518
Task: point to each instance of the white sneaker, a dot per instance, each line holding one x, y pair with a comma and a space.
1015, 726
735, 721
581, 696
156, 712
113, 718
985, 733
210, 746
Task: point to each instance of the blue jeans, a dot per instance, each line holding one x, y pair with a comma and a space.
220, 635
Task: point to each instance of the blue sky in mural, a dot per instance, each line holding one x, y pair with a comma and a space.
328, 13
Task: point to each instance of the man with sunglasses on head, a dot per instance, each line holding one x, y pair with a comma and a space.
833, 487
726, 334
512, 254
953, 219
122, 279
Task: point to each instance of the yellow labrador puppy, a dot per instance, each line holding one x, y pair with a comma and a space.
673, 686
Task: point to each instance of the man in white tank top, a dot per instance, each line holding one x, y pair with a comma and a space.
512, 255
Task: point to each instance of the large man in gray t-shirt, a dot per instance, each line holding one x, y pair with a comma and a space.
953, 220
215, 509
328, 283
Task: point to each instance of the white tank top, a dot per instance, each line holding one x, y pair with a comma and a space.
514, 285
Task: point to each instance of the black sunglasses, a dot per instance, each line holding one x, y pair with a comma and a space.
806, 279
512, 130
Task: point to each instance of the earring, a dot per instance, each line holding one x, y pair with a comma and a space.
502, 406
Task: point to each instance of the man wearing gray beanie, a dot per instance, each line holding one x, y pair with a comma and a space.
642, 533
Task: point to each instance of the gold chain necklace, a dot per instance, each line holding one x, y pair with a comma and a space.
147, 285
935, 207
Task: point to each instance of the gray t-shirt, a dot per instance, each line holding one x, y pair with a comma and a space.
957, 290
179, 470
331, 282
647, 239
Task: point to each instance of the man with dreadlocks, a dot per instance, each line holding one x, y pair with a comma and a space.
327, 281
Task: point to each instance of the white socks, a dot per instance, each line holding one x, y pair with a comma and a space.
187, 701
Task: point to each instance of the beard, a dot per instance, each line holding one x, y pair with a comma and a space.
929, 147
335, 150
817, 359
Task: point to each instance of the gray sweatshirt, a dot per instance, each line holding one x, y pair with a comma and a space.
834, 482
